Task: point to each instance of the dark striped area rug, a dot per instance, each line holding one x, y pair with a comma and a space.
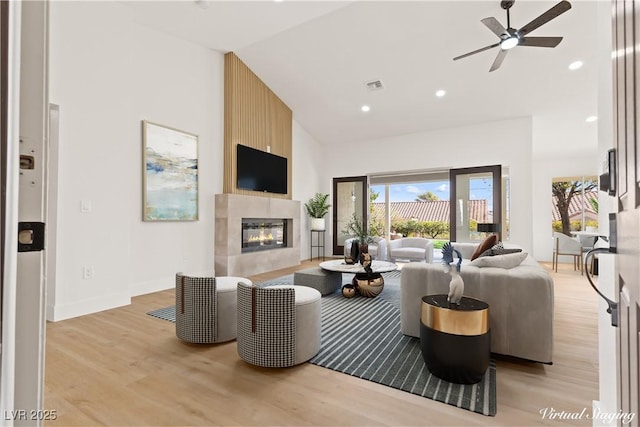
361, 337
166, 313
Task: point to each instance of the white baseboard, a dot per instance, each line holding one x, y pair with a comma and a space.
604, 416
80, 308
151, 286
88, 306
596, 407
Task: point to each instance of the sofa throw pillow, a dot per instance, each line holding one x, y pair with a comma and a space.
492, 250
486, 244
500, 261
499, 249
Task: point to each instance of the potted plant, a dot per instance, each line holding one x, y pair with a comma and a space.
358, 229
317, 207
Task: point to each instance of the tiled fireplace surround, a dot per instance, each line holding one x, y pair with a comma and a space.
229, 211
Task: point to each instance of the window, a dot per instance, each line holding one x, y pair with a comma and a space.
418, 204
415, 209
574, 204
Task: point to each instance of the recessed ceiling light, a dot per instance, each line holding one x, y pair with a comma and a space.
440, 93
365, 108
591, 119
576, 65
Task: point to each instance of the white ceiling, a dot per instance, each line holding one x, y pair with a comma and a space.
317, 56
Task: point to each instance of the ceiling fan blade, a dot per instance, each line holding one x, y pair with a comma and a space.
540, 41
476, 51
495, 26
498, 61
554, 12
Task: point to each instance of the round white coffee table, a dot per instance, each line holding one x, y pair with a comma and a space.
367, 284
342, 267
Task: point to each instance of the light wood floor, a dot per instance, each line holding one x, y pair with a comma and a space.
122, 367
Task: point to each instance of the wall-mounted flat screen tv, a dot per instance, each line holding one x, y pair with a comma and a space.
261, 171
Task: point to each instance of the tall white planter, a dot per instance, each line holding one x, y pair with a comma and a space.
317, 224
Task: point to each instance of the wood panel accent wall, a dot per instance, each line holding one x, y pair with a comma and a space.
253, 116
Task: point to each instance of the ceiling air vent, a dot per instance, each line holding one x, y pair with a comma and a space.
374, 85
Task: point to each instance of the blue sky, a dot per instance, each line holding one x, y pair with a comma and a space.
480, 189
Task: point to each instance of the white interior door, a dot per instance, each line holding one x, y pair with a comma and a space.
626, 229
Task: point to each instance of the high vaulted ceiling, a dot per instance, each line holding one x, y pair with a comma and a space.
318, 55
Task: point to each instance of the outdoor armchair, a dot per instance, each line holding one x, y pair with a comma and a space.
565, 245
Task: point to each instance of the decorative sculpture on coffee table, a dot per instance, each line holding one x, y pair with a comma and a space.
368, 284
353, 254
357, 229
348, 291
365, 260
456, 285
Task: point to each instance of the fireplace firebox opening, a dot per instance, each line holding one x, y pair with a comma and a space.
261, 234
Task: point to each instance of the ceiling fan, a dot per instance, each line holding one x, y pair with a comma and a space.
511, 37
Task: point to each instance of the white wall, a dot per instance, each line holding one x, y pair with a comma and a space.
609, 381
509, 143
544, 170
607, 203
506, 142
107, 75
308, 166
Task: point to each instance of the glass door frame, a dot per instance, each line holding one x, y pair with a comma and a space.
339, 249
496, 172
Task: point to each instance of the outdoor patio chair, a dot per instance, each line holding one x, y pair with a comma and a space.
377, 249
565, 245
411, 248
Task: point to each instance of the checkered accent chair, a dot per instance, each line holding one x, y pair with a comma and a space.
206, 308
278, 326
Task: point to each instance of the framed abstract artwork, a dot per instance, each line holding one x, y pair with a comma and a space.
170, 178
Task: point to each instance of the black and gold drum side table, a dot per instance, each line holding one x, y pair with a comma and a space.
455, 340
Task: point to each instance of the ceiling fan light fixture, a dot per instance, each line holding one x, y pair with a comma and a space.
509, 43
512, 37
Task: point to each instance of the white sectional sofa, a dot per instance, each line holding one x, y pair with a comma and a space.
520, 302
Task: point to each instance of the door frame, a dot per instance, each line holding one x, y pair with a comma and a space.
339, 249
30, 139
496, 171
9, 135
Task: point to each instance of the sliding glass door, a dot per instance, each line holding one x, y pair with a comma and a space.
475, 202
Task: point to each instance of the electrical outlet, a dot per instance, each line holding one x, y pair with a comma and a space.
85, 206
87, 272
